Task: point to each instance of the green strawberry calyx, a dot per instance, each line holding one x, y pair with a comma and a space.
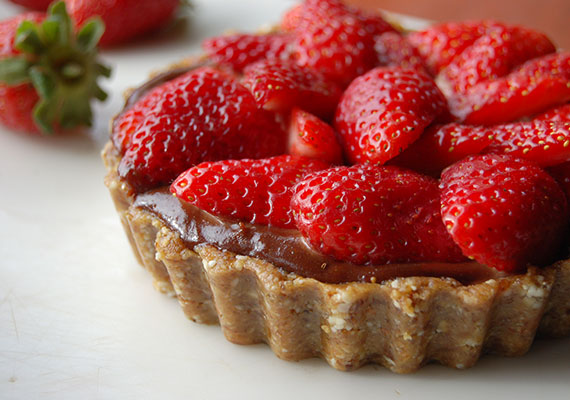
61, 63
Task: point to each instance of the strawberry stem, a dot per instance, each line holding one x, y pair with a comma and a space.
62, 66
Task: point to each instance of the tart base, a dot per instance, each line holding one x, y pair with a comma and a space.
401, 323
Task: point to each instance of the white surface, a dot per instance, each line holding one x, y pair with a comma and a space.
79, 319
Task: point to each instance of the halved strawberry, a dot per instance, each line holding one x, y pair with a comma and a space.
239, 50
281, 85
203, 115
442, 145
394, 50
370, 214
504, 212
255, 191
333, 40
438, 45
533, 87
545, 142
383, 111
559, 114
313, 138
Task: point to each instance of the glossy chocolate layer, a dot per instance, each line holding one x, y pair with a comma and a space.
286, 248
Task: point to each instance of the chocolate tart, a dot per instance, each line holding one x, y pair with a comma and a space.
402, 317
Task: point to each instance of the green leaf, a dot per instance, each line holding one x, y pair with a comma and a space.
27, 38
58, 13
50, 31
14, 70
43, 116
103, 70
44, 84
100, 94
90, 33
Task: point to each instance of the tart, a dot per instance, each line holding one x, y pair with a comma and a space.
264, 281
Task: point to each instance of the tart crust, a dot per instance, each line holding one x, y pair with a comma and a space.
401, 323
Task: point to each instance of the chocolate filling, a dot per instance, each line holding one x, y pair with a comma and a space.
286, 248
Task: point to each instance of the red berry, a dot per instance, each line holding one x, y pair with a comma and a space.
438, 45
394, 50
384, 111
281, 85
203, 115
333, 40
292, 18
442, 145
503, 212
255, 191
124, 19
313, 138
40, 5
558, 114
370, 214
242, 49
47, 77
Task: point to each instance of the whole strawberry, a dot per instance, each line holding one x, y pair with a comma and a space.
503, 212
203, 115
370, 214
48, 74
124, 19
255, 191
383, 111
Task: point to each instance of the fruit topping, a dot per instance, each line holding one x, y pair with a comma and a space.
556, 114
281, 85
239, 50
384, 111
394, 50
255, 191
503, 212
313, 138
203, 115
370, 214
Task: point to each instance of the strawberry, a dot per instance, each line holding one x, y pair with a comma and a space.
393, 49
442, 145
48, 74
494, 55
280, 85
545, 142
292, 18
370, 214
384, 111
255, 191
40, 5
561, 173
533, 87
438, 45
239, 50
124, 19
559, 114
313, 138
203, 115
503, 212
333, 40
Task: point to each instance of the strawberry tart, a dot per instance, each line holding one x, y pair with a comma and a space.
340, 188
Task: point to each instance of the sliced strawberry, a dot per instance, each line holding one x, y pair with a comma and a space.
203, 115
370, 214
442, 145
313, 138
536, 85
558, 114
494, 55
544, 142
255, 191
281, 85
384, 111
504, 212
333, 40
438, 45
239, 50
393, 49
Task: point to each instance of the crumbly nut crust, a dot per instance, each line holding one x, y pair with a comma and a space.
401, 324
